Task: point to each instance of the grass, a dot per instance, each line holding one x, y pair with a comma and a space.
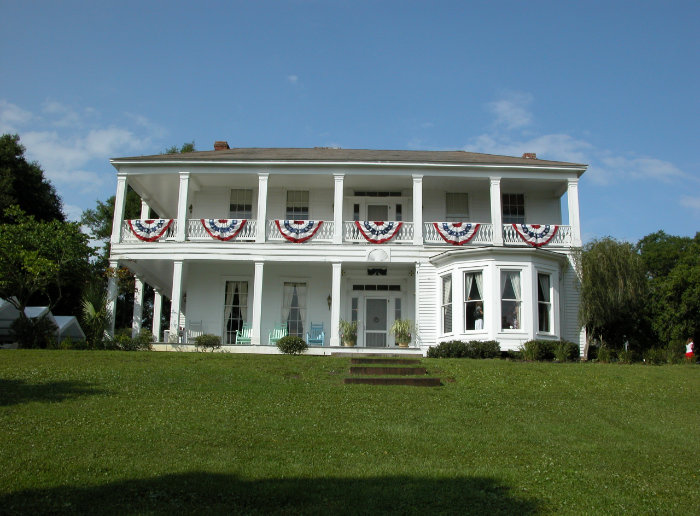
164, 433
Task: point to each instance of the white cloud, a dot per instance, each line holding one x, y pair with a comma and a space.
73, 212
692, 203
293, 78
513, 111
61, 115
605, 166
12, 117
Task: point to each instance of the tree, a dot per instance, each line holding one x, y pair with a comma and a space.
613, 291
23, 184
673, 271
186, 147
39, 259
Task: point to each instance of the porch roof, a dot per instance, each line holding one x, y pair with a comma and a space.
331, 155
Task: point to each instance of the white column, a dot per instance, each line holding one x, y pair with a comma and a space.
175, 299
416, 305
145, 209
335, 305
338, 208
157, 309
417, 209
256, 337
496, 211
112, 297
574, 216
137, 317
119, 202
262, 207
182, 206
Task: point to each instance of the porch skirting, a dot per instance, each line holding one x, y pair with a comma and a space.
319, 351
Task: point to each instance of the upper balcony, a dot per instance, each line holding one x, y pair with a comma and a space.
232, 232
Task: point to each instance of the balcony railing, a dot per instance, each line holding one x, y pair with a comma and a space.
484, 235
404, 235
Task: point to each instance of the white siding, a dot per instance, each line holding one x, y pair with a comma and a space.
427, 318
569, 300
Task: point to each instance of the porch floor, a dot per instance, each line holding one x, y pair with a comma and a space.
313, 350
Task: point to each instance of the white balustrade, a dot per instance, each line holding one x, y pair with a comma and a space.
323, 235
196, 232
483, 236
129, 236
404, 236
562, 237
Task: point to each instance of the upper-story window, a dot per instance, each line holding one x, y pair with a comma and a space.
297, 205
456, 207
241, 205
513, 208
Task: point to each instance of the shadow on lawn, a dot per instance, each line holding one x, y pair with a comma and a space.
207, 493
14, 392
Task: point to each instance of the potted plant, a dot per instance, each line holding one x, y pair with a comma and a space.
348, 332
402, 329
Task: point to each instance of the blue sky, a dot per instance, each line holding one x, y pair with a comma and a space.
611, 84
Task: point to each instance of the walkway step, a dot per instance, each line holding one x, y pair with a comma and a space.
414, 381
398, 371
404, 361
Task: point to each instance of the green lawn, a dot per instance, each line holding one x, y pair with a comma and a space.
170, 433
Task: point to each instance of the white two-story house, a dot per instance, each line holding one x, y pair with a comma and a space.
467, 246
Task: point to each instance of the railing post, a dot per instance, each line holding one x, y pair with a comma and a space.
496, 212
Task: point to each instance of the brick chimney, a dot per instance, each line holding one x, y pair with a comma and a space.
530, 155
221, 145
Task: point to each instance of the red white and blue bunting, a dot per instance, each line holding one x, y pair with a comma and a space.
378, 232
456, 233
223, 229
536, 235
298, 231
149, 230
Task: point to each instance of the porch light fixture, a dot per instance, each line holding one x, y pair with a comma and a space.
330, 300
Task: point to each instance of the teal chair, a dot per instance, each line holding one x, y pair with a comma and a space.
277, 333
315, 336
244, 335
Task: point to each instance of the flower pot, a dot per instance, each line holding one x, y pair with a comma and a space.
349, 343
403, 344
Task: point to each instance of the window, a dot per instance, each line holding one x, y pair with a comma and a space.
354, 309
510, 300
235, 308
513, 208
294, 308
447, 304
399, 212
241, 205
397, 308
544, 303
456, 207
473, 301
298, 205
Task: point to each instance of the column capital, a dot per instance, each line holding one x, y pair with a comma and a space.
263, 175
184, 174
417, 177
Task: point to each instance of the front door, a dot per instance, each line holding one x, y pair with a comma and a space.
376, 315
376, 212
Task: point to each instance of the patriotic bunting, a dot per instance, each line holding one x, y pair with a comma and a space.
456, 233
223, 229
536, 235
149, 230
298, 231
378, 232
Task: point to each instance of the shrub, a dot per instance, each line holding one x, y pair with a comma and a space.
655, 356
207, 341
627, 356
69, 343
292, 345
39, 332
471, 349
566, 351
538, 350
124, 342
605, 355
675, 351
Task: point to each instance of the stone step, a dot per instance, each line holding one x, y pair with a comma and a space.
379, 370
404, 380
405, 361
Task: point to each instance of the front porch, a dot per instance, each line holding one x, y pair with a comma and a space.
411, 351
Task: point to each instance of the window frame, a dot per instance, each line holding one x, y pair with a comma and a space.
509, 201
518, 302
297, 205
238, 213
456, 216
467, 309
446, 307
548, 305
